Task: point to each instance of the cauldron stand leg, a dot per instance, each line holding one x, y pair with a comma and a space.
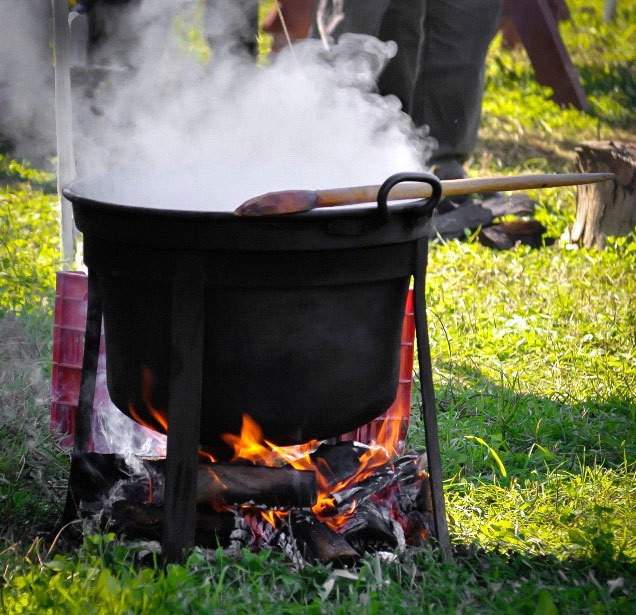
429, 413
184, 410
84, 412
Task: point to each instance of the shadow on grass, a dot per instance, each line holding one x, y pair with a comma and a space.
530, 433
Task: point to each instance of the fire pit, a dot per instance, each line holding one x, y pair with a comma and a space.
293, 320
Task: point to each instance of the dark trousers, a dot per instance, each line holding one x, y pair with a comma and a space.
438, 72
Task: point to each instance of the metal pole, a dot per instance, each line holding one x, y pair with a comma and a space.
64, 125
184, 409
429, 413
609, 10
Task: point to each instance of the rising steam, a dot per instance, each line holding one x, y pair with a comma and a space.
182, 132
26, 78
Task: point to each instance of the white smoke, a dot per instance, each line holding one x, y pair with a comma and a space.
26, 78
186, 134
180, 132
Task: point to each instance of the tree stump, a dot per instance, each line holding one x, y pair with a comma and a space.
607, 208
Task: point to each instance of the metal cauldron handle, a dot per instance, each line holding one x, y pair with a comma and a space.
426, 208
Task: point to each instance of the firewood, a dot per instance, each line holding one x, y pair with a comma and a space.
340, 461
145, 521
608, 208
370, 529
319, 543
93, 476
273, 488
96, 476
451, 225
405, 470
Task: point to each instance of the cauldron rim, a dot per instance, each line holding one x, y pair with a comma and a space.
73, 192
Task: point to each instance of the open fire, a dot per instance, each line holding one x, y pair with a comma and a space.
316, 502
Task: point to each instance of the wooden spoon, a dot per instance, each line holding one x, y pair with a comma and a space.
294, 201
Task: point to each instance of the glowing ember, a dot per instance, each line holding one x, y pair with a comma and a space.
250, 445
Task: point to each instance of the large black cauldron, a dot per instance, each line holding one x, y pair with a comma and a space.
301, 316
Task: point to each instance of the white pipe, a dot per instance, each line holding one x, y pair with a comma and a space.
64, 124
609, 10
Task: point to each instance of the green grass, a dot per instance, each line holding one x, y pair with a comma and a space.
535, 370
29, 241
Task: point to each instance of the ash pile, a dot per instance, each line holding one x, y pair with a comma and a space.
331, 504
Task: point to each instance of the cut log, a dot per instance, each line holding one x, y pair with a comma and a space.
96, 477
272, 488
319, 543
405, 470
146, 520
370, 529
340, 461
608, 208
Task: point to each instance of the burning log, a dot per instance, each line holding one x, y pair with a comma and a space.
96, 478
339, 462
370, 528
273, 488
146, 521
319, 543
405, 470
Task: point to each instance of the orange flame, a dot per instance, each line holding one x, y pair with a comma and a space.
251, 446
206, 456
147, 384
272, 516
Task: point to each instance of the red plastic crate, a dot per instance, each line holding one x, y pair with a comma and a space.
112, 431
68, 349
110, 425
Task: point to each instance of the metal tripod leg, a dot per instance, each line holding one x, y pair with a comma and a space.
84, 413
429, 413
184, 412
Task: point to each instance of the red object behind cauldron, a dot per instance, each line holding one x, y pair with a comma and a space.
68, 349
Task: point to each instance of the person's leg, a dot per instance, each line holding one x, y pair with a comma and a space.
447, 96
388, 20
360, 17
403, 23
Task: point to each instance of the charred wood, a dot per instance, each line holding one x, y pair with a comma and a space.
339, 462
146, 521
371, 529
319, 543
405, 469
96, 478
